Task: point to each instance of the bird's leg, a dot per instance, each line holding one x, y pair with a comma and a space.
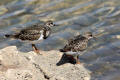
77, 59
35, 49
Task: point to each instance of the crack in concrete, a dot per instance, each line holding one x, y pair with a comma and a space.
41, 70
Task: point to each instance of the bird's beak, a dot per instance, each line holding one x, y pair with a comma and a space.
55, 25
94, 37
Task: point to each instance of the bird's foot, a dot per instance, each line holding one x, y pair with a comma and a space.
37, 51
78, 62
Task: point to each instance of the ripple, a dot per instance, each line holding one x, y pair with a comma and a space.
101, 17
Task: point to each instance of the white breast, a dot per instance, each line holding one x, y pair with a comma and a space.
41, 36
47, 33
74, 53
71, 53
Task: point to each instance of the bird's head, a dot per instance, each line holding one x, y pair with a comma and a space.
88, 35
49, 23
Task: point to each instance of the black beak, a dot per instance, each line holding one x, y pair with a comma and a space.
95, 37
55, 25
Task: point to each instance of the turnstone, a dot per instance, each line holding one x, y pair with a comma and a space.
76, 45
33, 33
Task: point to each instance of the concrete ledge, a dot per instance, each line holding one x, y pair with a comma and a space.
15, 65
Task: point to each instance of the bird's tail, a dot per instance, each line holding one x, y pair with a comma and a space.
10, 36
62, 50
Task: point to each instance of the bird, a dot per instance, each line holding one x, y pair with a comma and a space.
33, 33
77, 45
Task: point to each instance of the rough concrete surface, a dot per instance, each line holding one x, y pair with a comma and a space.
15, 65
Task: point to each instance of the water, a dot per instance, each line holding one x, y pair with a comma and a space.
75, 17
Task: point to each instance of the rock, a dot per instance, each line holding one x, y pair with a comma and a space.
15, 65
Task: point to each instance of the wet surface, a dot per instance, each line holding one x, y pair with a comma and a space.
74, 17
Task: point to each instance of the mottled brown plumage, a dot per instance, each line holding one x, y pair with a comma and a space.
77, 45
33, 33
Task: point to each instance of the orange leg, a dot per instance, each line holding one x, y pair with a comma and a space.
35, 49
77, 60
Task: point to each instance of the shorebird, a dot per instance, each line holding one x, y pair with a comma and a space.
76, 46
33, 33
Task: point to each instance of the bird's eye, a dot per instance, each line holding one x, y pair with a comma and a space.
91, 35
51, 23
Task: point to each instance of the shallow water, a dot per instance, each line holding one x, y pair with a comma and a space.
75, 17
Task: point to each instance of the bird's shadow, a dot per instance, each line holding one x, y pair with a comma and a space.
65, 59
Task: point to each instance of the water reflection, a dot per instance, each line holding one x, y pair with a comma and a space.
75, 17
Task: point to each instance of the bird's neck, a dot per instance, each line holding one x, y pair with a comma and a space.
47, 28
87, 37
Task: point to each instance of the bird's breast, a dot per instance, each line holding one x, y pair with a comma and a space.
72, 53
41, 37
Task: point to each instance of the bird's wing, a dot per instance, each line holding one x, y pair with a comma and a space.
73, 39
29, 34
80, 45
30, 31
77, 44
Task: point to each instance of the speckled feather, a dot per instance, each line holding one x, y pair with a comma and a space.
78, 43
33, 32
